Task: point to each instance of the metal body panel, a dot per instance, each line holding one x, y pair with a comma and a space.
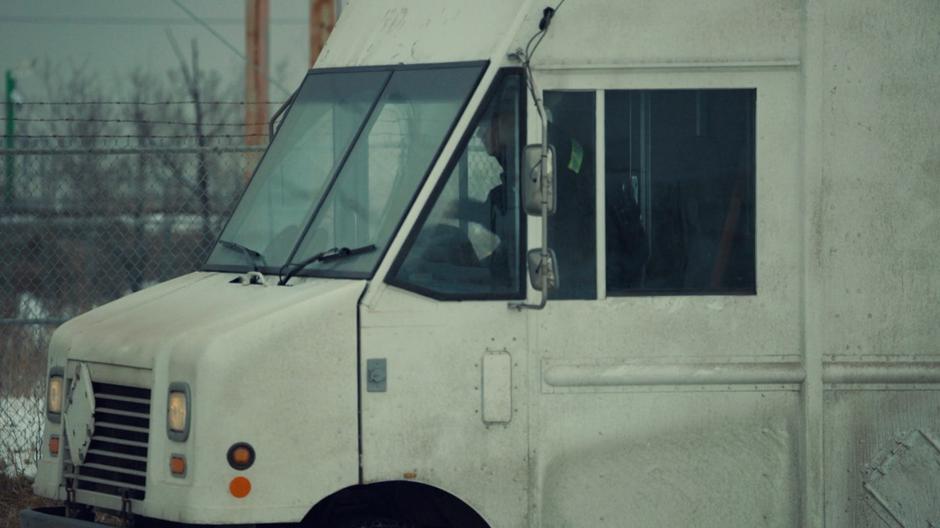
667, 459
271, 366
878, 217
610, 33
875, 241
667, 410
375, 32
863, 424
430, 423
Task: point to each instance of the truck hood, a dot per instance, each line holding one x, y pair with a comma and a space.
185, 315
275, 366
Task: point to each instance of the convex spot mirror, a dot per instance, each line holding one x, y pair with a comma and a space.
538, 267
533, 172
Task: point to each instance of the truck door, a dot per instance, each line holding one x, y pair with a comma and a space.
665, 388
443, 358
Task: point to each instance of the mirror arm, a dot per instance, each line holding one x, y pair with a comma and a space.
544, 187
543, 184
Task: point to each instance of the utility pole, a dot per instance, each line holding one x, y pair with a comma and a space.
322, 20
10, 131
256, 71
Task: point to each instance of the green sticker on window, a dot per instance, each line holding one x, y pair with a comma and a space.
576, 158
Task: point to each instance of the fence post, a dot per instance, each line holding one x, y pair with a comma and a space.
10, 130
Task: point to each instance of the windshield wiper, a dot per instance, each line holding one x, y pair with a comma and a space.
323, 256
252, 255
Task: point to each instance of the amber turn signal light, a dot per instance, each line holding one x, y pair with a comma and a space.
54, 445
178, 465
241, 456
239, 487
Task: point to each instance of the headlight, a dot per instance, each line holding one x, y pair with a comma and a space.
177, 412
54, 394
176, 415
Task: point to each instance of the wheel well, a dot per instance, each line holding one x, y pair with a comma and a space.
411, 503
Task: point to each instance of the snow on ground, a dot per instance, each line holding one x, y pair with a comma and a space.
21, 423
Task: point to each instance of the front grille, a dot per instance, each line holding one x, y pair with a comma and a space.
116, 462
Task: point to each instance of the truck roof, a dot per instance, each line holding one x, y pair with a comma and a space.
585, 33
374, 32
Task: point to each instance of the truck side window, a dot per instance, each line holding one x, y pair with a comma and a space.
469, 243
680, 191
571, 230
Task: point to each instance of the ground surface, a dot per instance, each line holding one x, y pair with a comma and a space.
16, 494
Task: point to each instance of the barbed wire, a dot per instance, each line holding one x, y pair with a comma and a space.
138, 21
131, 142
129, 121
146, 103
132, 136
110, 150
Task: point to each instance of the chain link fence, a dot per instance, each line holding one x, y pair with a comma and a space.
80, 227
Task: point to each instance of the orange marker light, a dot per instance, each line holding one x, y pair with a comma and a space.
241, 455
178, 465
54, 445
240, 487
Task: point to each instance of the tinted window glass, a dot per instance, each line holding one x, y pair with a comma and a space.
468, 245
571, 230
386, 165
343, 168
282, 193
680, 191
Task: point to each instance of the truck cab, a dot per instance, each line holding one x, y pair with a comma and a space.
503, 264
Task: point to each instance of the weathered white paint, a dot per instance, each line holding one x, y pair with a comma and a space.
764, 410
435, 351
275, 367
643, 373
77, 418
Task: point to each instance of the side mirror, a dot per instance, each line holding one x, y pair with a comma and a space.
533, 172
538, 268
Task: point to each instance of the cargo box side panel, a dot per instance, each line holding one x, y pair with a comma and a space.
669, 456
882, 458
880, 229
877, 248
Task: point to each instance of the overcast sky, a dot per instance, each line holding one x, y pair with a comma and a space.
113, 37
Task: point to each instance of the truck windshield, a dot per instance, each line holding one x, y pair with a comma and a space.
344, 167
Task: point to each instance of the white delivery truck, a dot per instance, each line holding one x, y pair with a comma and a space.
742, 326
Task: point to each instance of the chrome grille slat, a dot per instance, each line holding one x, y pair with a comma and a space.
122, 427
104, 481
104, 415
116, 462
115, 469
118, 441
129, 414
116, 455
128, 399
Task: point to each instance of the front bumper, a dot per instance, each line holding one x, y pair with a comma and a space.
53, 518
